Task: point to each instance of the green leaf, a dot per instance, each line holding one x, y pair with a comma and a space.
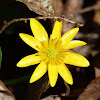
0, 57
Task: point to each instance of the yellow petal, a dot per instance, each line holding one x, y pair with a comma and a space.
40, 70
67, 37
29, 60
30, 40
53, 74
56, 33
38, 30
75, 59
74, 43
65, 73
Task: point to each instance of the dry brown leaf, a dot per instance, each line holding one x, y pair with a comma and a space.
42, 7
97, 65
83, 50
51, 97
97, 16
92, 92
97, 13
5, 94
97, 72
37, 88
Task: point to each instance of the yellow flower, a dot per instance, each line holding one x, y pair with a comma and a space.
51, 52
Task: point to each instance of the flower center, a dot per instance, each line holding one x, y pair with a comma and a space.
52, 53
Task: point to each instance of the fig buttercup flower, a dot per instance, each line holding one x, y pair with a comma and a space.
52, 53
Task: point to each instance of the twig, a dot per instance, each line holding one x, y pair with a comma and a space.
48, 17
94, 7
61, 18
12, 21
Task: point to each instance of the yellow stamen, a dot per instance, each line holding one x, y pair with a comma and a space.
52, 53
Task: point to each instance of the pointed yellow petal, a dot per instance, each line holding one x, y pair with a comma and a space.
74, 43
56, 33
53, 74
29, 60
40, 70
65, 73
45, 45
75, 59
67, 37
38, 30
30, 40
